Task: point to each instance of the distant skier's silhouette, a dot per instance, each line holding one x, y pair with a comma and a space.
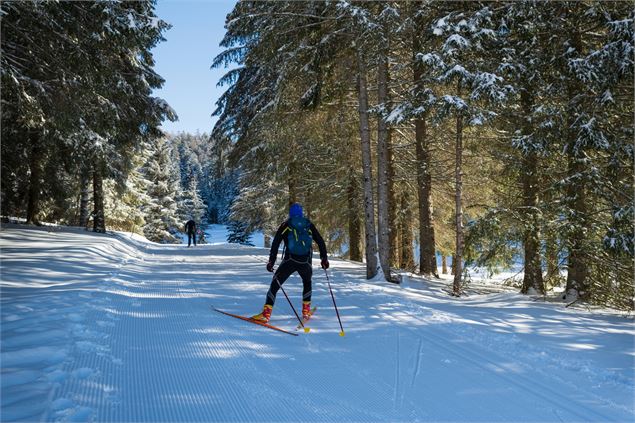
190, 228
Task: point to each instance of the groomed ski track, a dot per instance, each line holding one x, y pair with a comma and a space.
137, 341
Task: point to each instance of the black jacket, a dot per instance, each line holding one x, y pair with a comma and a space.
280, 236
190, 227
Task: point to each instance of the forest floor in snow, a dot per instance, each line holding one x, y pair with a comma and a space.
115, 328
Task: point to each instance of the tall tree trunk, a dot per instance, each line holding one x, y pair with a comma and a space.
35, 180
354, 224
267, 241
369, 206
577, 262
99, 222
383, 140
427, 250
392, 212
427, 258
308, 207
432, 249
532, 279
406, 236
578, 266
551, 253
444, 264
353, 195
397, 253
84, 199
458, 201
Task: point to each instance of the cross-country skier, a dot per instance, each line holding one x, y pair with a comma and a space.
190, 228
298, 234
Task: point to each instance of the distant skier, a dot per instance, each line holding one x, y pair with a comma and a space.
190, 228
298, 234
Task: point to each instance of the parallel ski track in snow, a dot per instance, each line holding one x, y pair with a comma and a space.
324, 400
314, 390
133, 346
145, 346
548, 395
135, 387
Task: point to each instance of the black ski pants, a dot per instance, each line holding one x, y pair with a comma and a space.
190, 236
286, 269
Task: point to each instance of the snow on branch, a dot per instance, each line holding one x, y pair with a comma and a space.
487, 85
455, 42
454, 102
430, 59
590, 135
164, 108
456, 72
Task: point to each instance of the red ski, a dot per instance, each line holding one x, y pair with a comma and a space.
249, 319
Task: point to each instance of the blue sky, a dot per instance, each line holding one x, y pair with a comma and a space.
184, 60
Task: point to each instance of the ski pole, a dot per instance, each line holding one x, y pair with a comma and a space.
334, 305
291, 304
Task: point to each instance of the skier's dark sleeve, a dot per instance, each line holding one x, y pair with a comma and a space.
319, 240
276, 243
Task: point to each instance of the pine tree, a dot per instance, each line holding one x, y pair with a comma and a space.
68, 71
194, 208
462, 65
422, 102
238, 233
478, 98
588, 69
125, 204
161, 218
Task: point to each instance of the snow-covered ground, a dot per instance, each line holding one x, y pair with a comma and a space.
114, 328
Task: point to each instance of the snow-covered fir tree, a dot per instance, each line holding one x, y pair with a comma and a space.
54, 94
462, 65
192, 207
239, 233
162, 222
220, 181
126, 203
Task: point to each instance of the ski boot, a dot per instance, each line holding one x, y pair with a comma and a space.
306, 310
265, 315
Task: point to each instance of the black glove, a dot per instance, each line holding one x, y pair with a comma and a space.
270, 267
325, 264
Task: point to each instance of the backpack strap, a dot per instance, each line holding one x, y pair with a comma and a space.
284, 244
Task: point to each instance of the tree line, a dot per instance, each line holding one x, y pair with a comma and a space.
77, 107
81, 143
513, 119
479, 132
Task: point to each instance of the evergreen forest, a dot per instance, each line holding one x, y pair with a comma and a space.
419, 136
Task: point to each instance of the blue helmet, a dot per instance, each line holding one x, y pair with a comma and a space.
295, 210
